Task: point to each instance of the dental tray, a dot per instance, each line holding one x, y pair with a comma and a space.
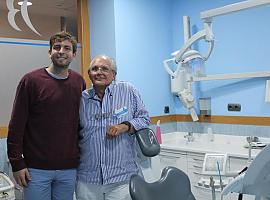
205, 182
256, 145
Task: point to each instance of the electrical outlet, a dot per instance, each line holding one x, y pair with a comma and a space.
166, 109
234, 107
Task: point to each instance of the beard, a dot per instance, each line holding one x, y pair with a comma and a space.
60, 62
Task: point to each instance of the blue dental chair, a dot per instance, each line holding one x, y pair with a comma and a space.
174, 184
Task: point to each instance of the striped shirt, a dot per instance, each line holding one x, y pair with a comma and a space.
104, 160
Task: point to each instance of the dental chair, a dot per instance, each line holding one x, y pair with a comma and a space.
174, 184
255, 180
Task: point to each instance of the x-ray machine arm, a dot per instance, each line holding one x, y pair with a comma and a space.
182, 77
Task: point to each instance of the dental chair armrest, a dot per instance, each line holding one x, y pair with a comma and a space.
148, 142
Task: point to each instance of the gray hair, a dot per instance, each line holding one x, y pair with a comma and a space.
105, 57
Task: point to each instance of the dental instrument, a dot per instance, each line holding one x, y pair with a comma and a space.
220, 180
212, 185
185, 73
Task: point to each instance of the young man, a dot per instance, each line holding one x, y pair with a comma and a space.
110, 112
43, 130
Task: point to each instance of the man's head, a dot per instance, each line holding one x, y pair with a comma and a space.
63, 47
61, 36
102, 70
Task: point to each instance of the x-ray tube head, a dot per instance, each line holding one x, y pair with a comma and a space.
191, 54
193, 62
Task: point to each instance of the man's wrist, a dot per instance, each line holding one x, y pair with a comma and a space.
127, 124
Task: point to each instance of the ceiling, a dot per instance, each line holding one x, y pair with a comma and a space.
65, 8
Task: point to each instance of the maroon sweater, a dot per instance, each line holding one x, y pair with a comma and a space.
43, 130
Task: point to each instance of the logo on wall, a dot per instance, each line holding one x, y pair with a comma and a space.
24, 12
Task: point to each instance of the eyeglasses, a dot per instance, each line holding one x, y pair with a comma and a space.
103, 69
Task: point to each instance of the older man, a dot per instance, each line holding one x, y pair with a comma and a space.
109, 115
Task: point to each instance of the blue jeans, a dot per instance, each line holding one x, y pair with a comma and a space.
50, 184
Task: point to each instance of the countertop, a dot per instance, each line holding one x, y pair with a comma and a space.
232, 145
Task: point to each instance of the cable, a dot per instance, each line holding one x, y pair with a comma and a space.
220, 180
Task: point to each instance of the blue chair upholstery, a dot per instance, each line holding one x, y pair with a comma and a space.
174, 184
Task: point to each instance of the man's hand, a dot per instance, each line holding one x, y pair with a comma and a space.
116, 130
22, 177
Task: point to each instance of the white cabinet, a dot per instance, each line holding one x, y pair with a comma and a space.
173, 158
195, 163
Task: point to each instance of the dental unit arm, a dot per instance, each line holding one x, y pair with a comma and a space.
182, 77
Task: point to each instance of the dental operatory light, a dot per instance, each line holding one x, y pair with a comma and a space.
190, 63
28, 3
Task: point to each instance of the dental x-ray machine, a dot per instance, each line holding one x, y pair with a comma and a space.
185, 73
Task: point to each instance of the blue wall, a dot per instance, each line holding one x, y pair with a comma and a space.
241, 46
102, 32
142, 29
144, 32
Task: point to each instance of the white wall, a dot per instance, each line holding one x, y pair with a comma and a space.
17, 58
